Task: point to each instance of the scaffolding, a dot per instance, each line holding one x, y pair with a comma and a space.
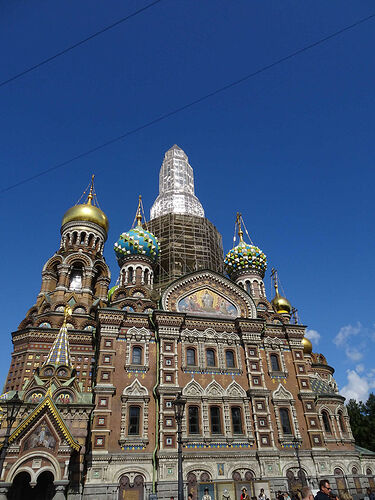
187, 243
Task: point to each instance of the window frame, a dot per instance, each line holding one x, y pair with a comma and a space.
190, 417
230, 352
137, 422
191, 351
275, 358
216, 427
137, 349
240, 421
289, 430
211, 351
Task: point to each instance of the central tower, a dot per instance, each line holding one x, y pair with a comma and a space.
188, 241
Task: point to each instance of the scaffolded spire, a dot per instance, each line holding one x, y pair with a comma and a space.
60, 353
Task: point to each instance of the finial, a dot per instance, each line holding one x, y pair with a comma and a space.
139, 214
91, 195
67, 312
275, 280
240, 232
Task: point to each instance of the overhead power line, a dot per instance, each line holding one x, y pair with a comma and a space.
77, 44
190, 104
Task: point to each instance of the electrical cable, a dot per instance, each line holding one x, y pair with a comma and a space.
77, 44
189, 105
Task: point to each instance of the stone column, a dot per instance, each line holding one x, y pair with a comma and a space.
60, 489
4, 487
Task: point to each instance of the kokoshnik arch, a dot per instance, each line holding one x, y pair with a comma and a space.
98, 369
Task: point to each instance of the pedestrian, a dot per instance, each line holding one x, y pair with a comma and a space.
307, 493
325, 491
206, 495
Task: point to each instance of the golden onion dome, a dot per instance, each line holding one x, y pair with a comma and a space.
280, 304
86, 212
307, 346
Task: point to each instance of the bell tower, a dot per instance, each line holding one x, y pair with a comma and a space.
76, 275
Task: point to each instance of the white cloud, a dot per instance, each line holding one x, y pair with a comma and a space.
346, 332
353, 353
313, 335
357, 387
360, 368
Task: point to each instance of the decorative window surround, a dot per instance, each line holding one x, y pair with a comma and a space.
135, 394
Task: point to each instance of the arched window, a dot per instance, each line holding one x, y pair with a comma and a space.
137, 356
236, 420
327, 425
285, 421
341, 422
147, 277
134, 417
229, 357
215, 418
190, 357
75, 282
275, 365
83, 236
193, 415
130, 275
248, 287
210, 356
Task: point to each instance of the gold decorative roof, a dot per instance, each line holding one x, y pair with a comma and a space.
307, 346
50, 405
87, 212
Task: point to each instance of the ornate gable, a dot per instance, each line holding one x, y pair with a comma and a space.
214, 389
207, 294
281, 394
235, 390
42, 432
135, 389
193, 389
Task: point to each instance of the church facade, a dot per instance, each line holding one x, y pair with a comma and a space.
98, 369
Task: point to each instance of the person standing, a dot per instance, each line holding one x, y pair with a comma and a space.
244, 494
306, 493
324, 490
206, 495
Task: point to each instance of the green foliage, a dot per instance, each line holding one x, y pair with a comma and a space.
362, 422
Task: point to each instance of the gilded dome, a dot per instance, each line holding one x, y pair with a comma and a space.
86, 212
280, 304
307, 346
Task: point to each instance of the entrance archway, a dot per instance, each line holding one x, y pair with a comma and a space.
20, 488
129, 491
44, 488
295, 481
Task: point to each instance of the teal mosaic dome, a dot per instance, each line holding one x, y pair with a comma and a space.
245, 256
137, 241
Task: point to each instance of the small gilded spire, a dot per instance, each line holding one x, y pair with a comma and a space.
139, 213
238, 222
91, 193
279, 303
60, 352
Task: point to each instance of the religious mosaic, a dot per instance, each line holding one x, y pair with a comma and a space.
206, 303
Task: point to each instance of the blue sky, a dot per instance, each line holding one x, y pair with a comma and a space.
292, 148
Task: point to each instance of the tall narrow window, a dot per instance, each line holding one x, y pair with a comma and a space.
341, 422
215, 420
210, 356
134, 414
130, 275
229, 356
285, 422
327, 425
248, 287
137, 356
236, 420
190, 357
275, 365
193, 420
75, 282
